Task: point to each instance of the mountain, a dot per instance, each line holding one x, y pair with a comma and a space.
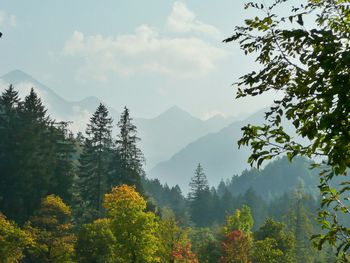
171, 131
276, 178
218, 153
78, 113
161, 137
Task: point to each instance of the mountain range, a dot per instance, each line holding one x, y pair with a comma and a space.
163, 138
217, 152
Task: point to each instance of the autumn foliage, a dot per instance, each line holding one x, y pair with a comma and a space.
237, 247
135, 229
122, 198
182, 253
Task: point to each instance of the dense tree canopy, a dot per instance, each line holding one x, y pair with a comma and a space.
305, 57
35, 155
135, 230
94, 162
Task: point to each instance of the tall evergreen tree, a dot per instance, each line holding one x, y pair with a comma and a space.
200, 199
64, 168
94, 161
35, 155
298, 221
9, 122
198, 182
127, 163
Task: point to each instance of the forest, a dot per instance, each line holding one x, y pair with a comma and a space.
85, 197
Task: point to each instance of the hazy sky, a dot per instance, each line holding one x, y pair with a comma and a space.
148, 55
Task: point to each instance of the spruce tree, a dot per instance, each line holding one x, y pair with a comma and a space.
200, 198
127, 164
298, 221
198, 182
94, 161
9, 122
63, 167
35, 155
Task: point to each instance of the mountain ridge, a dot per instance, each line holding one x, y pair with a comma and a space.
161, 136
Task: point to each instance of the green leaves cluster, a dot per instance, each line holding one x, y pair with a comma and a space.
310, 68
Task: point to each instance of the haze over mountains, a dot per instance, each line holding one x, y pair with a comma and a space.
218, 153
78, 112
173, 142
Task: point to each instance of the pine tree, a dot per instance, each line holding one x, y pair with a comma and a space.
63, 168
35, 157
127, 163
198, 182
9, 127
200, 198
298, 221
94, 161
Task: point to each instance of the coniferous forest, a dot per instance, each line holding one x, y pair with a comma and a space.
86, 196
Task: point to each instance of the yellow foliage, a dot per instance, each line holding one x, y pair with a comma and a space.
13, 240
123, 197
52, 232
134, 229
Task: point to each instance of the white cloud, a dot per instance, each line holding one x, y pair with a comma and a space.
143, 51
7, 20
183, 20
212, 113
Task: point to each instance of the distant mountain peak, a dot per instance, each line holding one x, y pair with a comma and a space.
90, 99
176, 111
216, 117
16, 76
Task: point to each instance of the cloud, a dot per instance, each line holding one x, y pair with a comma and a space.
182, 20
212, 113
144, 51
148, 51
7, 20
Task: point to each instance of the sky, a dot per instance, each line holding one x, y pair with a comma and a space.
148, 55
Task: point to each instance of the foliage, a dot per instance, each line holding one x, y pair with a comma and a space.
183, 254
298, 221
275, 234
199, 198
13, 241
35, 155
206, 244
237, 247
96, 243
134, 229
266, 251
127, 166
52, 232
310, 69
198, 182
241, 220
166, 197
170, 235
94, 162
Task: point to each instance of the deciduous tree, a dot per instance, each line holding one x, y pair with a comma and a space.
52, 232
13, 241
96, 243
134, 229
307, 62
